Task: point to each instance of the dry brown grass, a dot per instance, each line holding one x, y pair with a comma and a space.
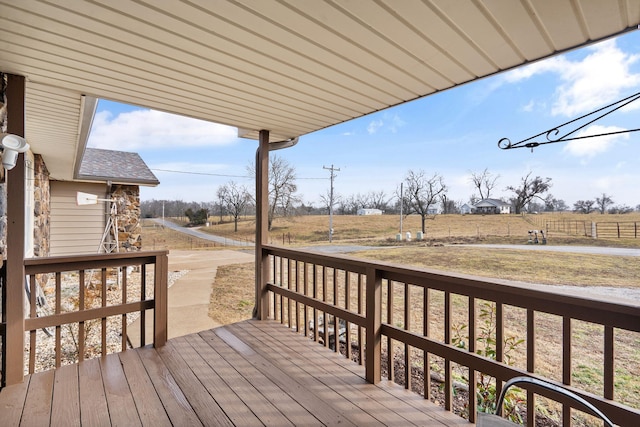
156, 237
233, 293
382, 229
552, 268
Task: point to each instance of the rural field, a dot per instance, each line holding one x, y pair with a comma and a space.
441, 249
566, 229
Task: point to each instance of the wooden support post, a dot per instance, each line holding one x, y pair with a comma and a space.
14, 352
374, 321
160, 311
262, 226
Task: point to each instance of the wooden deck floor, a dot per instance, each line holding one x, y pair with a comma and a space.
246, 374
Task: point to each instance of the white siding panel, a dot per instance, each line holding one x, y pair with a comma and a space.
76, 229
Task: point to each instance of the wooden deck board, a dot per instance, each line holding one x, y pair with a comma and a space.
94, 410
239, 385
65, 403
12, 402
122, 409
279, 398
349, 387
175, 403
245, 374
147, 401
196, 393
37, 409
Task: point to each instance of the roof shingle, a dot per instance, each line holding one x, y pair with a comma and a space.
116, 166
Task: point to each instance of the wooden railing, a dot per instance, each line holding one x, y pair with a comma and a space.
77, 296
466, 324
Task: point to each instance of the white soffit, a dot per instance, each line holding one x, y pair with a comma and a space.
289, 66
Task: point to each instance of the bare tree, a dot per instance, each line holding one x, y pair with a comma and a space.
448, 206
234, 198
528, 190
282, 187
484, 182
603, 202
421, 194
325, 200
377, 200
583, 206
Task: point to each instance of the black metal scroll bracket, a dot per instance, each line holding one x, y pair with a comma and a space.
552, 135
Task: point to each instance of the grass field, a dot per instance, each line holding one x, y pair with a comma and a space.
382, 229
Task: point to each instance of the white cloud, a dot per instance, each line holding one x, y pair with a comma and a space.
595, 81
529, 106
396, 123
591, 147
374, 125
151, 129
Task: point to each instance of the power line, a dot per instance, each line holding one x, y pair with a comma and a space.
202, 173
217, 174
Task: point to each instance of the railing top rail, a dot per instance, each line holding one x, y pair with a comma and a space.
617, 313
77, 262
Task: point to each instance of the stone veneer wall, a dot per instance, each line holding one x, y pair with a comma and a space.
42, 209
129, 229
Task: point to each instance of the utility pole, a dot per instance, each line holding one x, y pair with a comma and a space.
333, 175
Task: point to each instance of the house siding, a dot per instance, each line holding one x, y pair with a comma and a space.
76, 229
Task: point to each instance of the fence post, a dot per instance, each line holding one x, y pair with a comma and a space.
373, 347
594, 230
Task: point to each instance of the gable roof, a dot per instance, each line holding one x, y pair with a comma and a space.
491, 202
119, 167
290, 67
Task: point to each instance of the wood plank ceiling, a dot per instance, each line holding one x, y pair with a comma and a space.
289, 66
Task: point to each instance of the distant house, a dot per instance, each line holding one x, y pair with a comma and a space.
369, 212
432, 211
467, 209
492, 206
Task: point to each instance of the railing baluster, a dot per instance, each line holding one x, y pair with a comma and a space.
58, 350
282, 281
472, 401
325, 321
124, 301
374, 325
103, 277
347, 306
425, 332
499, 341
448, 383
566, 365
609, 366
288, 287
360, 311
305, 320
336, 321
32, 314
390, 356
297, 305
407, 327
81, 294
531, 364
143, 296
315, 297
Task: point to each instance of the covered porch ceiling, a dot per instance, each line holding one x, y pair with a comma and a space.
288, 66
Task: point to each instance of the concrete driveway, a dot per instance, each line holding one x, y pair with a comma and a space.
188, 298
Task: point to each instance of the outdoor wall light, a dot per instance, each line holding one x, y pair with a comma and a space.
11, 146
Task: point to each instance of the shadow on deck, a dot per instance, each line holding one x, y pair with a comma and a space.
250, 373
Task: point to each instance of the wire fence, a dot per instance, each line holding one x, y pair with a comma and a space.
595, 229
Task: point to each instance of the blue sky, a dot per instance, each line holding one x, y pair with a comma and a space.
453, 133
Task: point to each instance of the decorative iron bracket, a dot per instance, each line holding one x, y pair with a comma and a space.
552, 135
